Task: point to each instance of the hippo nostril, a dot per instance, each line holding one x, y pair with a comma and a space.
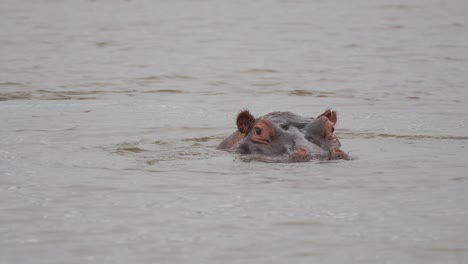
301, 152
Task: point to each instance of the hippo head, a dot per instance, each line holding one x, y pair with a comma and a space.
284, 136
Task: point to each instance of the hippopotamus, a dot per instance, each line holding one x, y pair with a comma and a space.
285, 137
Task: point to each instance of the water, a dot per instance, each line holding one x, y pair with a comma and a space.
111, 111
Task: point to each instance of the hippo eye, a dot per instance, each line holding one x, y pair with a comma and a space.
333, 129
258, 131
285, 126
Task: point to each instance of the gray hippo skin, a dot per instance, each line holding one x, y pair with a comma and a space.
285, 137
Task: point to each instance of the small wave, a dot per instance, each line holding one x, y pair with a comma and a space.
300, 224
460, 178
352, 45
218, 83
104, 44
32, 130
399, 26
335, 80
447, 58
261, 70
369, 135
62, 93
151, 161
166, 77
302, 92
210, 93
15, 84
160, 142
132, 149
124, 91
43, 94
64, 97
174, 91
15, 96
193, 128
202, 139
97, 84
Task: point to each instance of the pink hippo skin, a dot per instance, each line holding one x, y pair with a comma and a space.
285, 137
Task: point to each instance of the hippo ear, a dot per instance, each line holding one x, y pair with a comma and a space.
245, 121
331, 115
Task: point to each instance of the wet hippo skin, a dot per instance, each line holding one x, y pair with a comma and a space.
285, 137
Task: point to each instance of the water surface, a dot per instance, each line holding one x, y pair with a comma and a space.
111, 111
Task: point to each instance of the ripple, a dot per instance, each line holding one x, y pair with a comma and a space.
302, 92
202, 139
460, 178
160, 142
71, 92
15, 96
12, 84
302, 224
167, 77
132, 149
447, 58
62, 97
369, 135
261, 70
43, 94
218, 83
352, 45
66, 95
397, 27
104, 44
152, 152
151, 162
173, 91
97, 84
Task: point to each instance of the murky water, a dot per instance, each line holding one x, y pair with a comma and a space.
111, 111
